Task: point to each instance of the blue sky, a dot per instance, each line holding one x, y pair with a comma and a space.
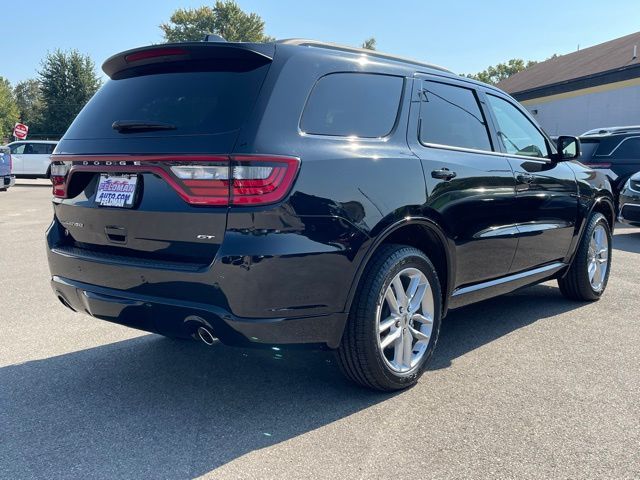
465, 36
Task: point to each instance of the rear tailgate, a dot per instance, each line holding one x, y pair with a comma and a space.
155, 194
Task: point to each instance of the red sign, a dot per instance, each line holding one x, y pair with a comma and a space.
20, 131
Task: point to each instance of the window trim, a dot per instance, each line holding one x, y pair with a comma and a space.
503, 151
618, 146
383, 138
476, 94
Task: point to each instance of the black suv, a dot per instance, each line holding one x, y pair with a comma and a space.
305, 193
613, 150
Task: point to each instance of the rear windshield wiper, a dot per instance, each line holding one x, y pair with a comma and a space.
130, 126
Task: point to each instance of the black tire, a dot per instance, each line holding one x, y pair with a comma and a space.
575, 284
359, 354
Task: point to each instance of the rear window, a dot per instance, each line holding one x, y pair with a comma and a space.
588, 148
195, 102
353, 104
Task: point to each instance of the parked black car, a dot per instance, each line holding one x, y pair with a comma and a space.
630, 201
613, 150
305, 193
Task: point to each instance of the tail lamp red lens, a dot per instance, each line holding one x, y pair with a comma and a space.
199, 180
598, 164
58, 174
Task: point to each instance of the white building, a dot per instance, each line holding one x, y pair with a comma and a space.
591, 88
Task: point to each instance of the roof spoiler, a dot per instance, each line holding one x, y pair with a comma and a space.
195, 52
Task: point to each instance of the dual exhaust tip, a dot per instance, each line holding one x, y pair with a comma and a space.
206, 335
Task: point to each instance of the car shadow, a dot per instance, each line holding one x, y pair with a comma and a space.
471, 327
628, 241
148, 405
27, 183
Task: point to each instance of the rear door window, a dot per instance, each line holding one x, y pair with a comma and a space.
38, 148
353, 104
451, 116
194, 102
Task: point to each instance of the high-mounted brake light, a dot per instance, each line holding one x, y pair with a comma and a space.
154, 53
198, 179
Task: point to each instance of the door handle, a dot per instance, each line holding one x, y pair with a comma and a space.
525, 178
443, 174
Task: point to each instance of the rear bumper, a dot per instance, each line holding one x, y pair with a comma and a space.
181, 319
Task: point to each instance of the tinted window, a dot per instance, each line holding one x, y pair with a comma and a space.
630, 148
38, 149
516, 132
451, 115
358, 104
588, 148
18, 148
194, 102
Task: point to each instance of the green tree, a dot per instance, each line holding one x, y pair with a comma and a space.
29, 100
501, 71
9, 113
68, 80
225, 18
369, 43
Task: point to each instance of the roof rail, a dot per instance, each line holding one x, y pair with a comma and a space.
612, 130
374, 53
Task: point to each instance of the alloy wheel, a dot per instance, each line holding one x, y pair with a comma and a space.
598, 260
405, 320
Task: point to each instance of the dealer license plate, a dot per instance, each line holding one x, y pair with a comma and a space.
116, 190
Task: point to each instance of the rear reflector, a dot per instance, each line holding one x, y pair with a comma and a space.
598, 164
198, 179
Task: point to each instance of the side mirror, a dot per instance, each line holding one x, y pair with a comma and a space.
568, 149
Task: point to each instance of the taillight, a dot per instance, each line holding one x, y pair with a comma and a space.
58, 172
261, 180
246, 180
198, 179
203, 184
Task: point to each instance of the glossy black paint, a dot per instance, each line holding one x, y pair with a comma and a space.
287, 273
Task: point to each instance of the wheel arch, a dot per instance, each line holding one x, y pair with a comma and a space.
422, 233
601, 204
604, 205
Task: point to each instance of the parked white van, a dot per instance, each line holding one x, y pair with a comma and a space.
31, 158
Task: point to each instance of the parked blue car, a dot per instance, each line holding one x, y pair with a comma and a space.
6, 179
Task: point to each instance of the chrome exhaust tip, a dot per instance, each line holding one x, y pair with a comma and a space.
206, 336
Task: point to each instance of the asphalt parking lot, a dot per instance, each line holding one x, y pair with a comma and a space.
529, 385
